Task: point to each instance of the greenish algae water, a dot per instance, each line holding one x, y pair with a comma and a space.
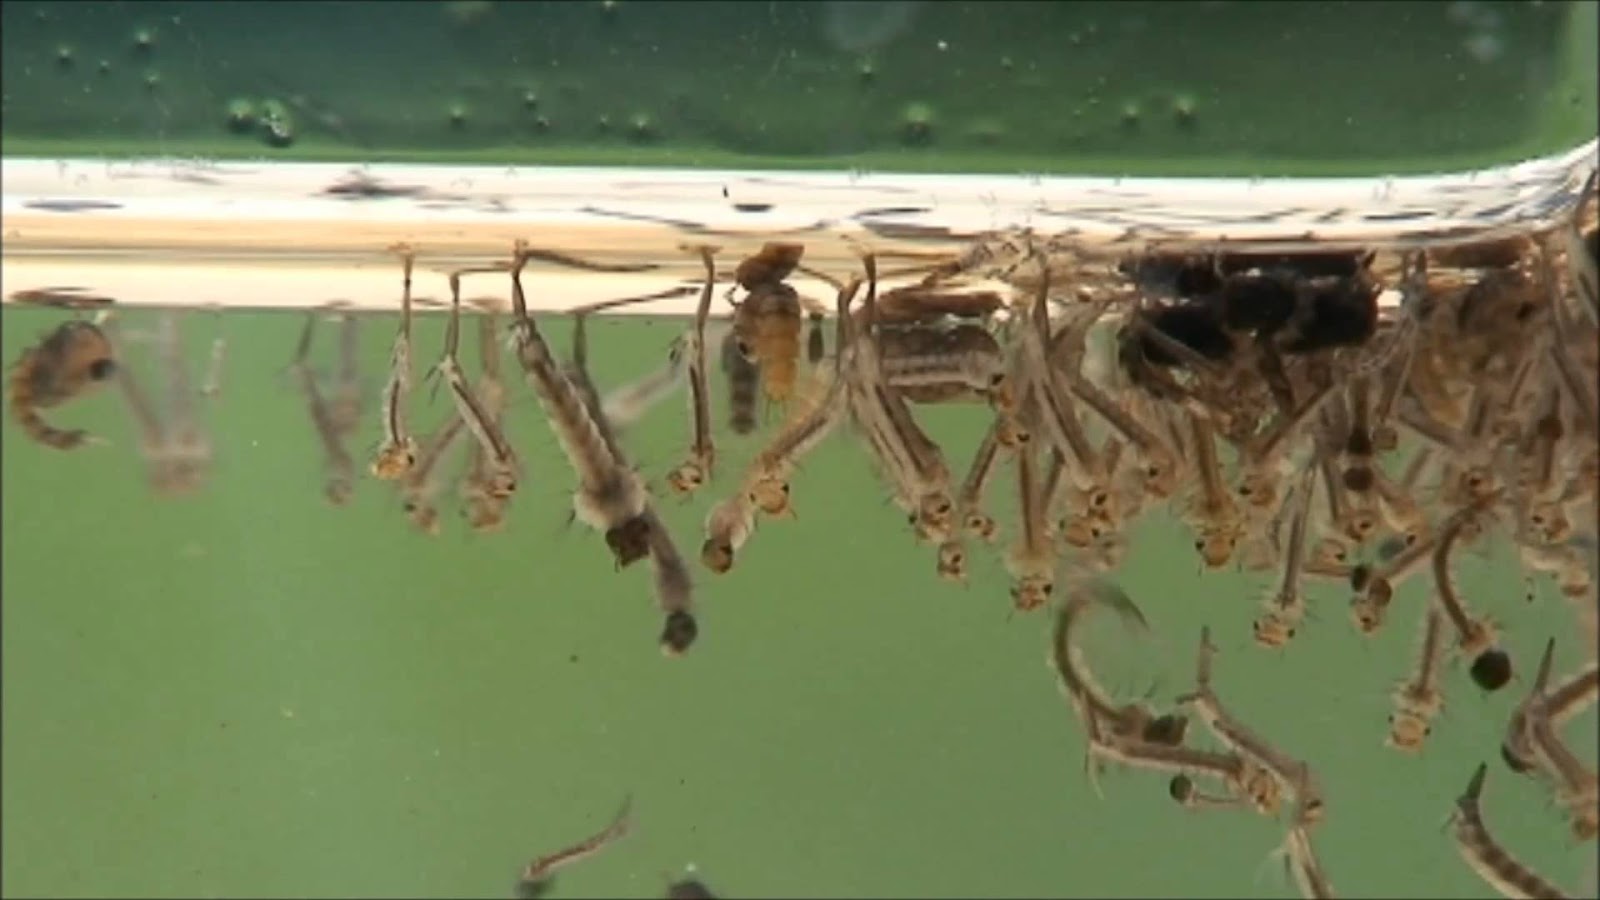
248, 692
1125, 88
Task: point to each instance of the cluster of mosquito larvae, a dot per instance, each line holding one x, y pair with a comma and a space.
611, 497
1232, 375
1250, 773
1274, 385
1301, 427
1245, 772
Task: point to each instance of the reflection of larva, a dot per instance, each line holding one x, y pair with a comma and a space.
71, 360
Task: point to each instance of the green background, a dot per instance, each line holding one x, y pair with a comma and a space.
248, 692
1274, 88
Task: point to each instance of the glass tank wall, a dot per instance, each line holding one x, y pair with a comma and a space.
1195, 498
1120, 88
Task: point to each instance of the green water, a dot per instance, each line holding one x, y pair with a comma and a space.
248, 692
1168, 88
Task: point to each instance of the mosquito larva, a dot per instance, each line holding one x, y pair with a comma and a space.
1286, 608
1492, 862
728, 526
1055, 407
1418, 699
538, 874
501, 457
398, 451
1374, 586
697, 468
1260, 462
1289, 773
1102, 718
1577, 786
978, 523
928, 477
1031, 560
1475, 638
1215, 516
611, 497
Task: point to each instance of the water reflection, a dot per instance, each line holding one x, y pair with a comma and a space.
1302, 433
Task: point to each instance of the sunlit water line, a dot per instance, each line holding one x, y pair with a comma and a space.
166, 232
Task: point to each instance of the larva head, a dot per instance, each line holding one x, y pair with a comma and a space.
1312, 811
501, 485
952, 562
678, 633
1271, 630
394, 460
1262, 789
1360, 525
771, 496
981, 525
1031, 592
1549, 521
936, 515
1330, 552
1216, 546
1367, 616
1081, 530
1011, 433
1161, 477
630, 541
1414, 532
1477, 483
717, 555
686, 479
1258, 488
1407, 732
